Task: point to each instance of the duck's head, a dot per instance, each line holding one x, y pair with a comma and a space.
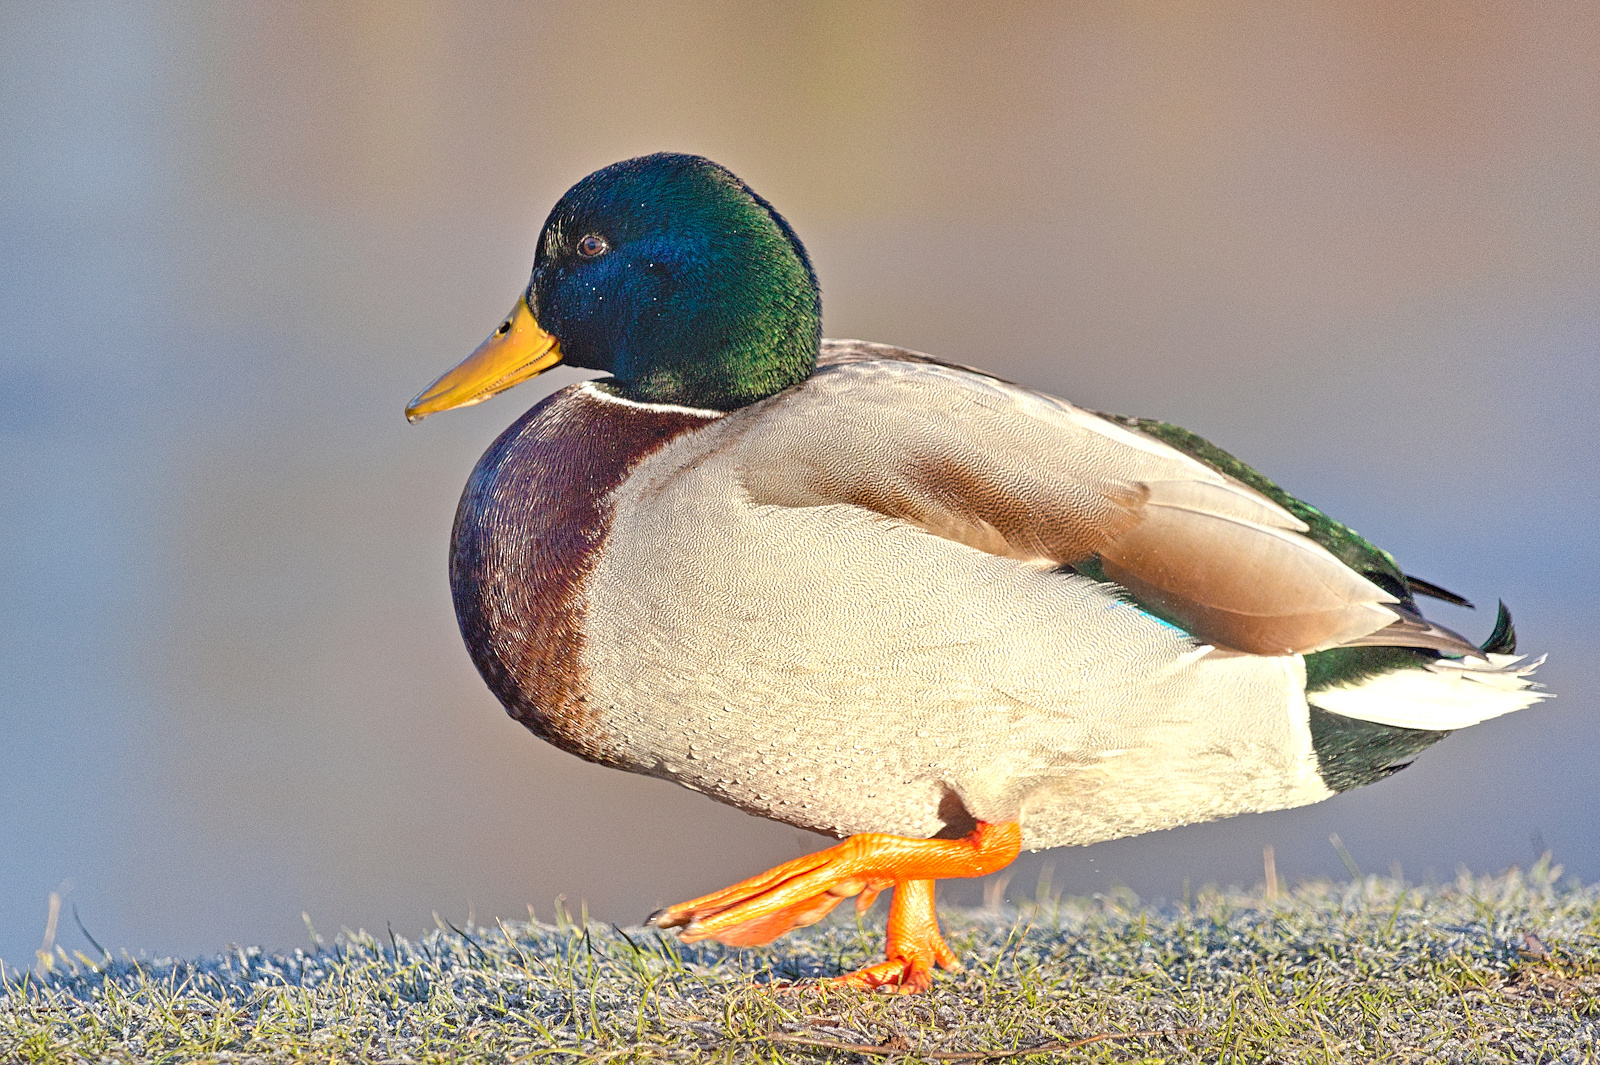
666, 272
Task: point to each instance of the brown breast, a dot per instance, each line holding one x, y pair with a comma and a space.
532, 521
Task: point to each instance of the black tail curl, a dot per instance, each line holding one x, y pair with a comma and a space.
1503, 640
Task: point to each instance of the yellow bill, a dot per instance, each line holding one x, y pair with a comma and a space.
514, 352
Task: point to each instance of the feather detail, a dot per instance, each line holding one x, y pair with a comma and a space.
1411, 629
1419, 586
1246, 586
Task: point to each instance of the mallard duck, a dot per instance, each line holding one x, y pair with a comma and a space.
866, 592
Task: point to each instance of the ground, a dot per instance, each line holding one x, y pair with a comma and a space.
1503, 968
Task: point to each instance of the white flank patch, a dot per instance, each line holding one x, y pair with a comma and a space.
589, 389
1447, 694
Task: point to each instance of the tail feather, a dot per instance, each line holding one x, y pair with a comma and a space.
1446, 694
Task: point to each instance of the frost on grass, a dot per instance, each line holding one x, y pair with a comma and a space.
1503, 968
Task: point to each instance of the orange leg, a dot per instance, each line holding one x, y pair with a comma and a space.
914, 945
803, 891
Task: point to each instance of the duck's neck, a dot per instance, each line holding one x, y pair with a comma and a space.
734, 378
733, 353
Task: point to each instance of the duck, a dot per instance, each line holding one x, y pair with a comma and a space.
896, 600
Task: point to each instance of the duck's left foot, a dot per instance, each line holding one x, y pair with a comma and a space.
803, 891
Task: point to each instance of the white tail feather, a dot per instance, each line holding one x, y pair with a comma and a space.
1447, 694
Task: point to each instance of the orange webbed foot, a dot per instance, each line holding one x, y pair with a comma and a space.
803, 891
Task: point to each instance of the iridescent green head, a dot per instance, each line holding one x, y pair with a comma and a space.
670, 274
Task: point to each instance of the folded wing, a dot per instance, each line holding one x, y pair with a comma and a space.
1012, 472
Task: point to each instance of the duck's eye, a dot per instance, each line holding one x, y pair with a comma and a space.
593, 246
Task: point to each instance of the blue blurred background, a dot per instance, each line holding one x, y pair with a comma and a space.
1356, 243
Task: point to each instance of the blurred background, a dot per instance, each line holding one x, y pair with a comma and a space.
1356, 243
